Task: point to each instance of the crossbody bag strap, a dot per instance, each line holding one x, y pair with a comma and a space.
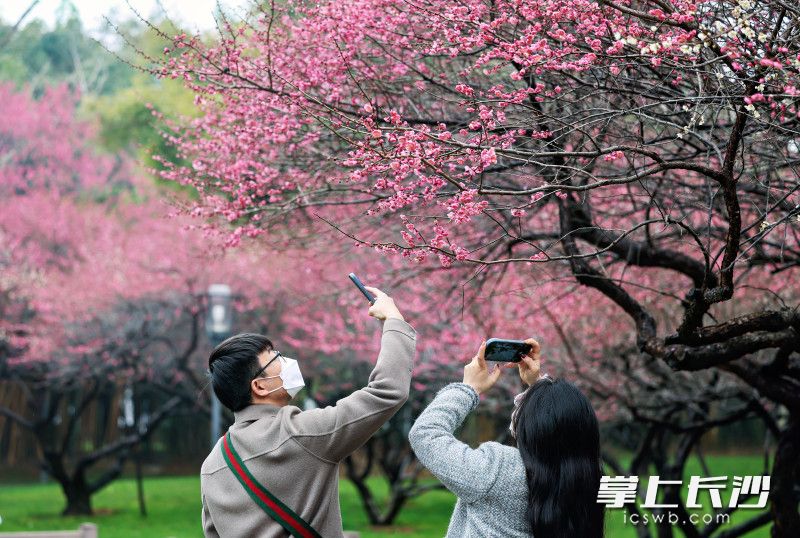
294, 524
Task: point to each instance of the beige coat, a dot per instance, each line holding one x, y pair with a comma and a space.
295, 454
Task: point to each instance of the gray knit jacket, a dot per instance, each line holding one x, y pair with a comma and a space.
489, 481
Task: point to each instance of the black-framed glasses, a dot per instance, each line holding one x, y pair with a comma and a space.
261, 370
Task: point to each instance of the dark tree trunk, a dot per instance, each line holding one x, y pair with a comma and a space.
140, 485
785, 481
79, 498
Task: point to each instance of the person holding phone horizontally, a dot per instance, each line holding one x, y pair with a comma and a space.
545, 486
276, 471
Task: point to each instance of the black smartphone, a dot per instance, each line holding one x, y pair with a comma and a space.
360, 286
500, 350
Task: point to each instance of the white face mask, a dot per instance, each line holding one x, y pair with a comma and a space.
290, 375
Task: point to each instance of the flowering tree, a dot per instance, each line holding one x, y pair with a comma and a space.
80, 324
101, 295
644, 149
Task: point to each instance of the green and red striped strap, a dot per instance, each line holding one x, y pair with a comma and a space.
294, 524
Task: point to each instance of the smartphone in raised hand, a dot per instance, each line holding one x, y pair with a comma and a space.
360, 286
501, 350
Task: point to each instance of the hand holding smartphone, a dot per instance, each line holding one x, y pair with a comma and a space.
360, 286
501, 350
382, 306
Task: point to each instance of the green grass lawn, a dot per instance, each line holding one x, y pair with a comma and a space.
173, 504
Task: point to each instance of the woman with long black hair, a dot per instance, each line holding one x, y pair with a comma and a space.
545, 486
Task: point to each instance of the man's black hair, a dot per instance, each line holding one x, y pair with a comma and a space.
233, 364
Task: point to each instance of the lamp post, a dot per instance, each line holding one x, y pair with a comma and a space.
219, 322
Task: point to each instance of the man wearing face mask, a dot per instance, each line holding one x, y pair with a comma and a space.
275, 472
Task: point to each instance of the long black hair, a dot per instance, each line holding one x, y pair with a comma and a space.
559, 441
